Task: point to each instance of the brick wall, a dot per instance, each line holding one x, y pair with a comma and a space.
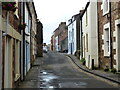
102, 20
13, 19
39, 38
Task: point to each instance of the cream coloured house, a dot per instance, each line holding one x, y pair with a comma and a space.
90, 35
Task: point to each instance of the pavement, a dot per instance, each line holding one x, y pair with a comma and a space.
115, 78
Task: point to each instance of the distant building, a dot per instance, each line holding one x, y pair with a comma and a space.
53, 42
61, 37
39, 37
74, 34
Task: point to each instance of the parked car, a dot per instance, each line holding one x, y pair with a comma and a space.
45, 49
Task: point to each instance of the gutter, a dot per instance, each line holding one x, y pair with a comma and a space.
88, 71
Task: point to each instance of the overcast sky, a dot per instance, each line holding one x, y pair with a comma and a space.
52, 12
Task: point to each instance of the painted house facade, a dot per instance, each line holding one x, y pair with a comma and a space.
17, 44
63, 37
56, 43
90, 35
27, 38
33, 32
72, 36
53, 42
11, 39
60, 38
109, 27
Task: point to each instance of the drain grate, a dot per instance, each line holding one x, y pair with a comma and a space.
36, 65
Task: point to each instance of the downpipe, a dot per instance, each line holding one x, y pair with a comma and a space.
111, 56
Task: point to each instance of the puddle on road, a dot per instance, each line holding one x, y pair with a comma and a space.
47, 79
81, 84
72, 84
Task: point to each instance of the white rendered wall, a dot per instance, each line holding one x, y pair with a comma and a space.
91, 30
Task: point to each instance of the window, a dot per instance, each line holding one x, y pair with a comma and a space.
16, 12
105, 7
29, 23
106, 40
86, 42
86, 17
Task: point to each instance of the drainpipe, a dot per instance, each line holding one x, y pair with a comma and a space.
0, 46
99, 64
22, 63
23, 42
111, 56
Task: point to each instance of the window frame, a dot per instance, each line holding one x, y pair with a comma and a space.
104, 7
106, 40
16, 12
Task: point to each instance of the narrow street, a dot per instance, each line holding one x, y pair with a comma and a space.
55, 70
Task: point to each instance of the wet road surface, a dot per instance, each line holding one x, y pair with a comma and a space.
55, 70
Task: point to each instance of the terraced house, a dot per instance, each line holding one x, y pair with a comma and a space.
90, 35
99, 34
109, 31
28, 45
11, 39
17, 41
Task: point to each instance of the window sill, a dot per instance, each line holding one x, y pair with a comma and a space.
106, 55
105, 13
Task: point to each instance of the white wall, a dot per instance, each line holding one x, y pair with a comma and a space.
117, 44
69, 38
91, 29
72, 37
56, 44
